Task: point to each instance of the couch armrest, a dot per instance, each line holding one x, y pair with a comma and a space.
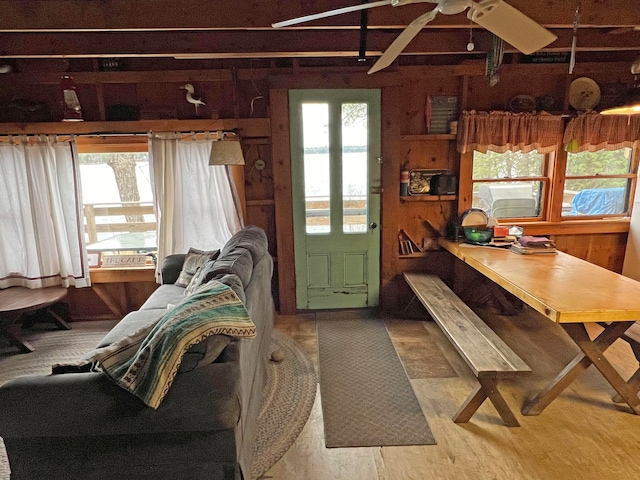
172, 266
81, 404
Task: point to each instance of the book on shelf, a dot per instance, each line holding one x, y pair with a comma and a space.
407, 244
518, 248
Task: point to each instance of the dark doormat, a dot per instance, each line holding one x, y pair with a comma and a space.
367, 399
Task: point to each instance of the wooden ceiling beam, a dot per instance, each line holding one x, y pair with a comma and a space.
266, 44
108, 15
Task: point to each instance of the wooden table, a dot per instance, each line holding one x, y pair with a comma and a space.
16, 301
570, 292
102, 276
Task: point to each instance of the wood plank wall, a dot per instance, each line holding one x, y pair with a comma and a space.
263, 93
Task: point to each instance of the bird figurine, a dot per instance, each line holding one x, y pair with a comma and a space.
196, 101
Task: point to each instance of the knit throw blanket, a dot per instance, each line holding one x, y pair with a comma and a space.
146, 362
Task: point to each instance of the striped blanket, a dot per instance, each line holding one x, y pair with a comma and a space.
146, 362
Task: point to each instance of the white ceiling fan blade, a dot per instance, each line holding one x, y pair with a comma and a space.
510, 24
330, 13
403, 40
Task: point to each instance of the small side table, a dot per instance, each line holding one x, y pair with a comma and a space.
16, 301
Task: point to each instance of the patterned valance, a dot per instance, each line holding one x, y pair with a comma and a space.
592, 131
506, 131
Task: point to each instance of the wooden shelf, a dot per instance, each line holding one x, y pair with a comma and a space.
428, 137
254, 127
429, 198
419, 254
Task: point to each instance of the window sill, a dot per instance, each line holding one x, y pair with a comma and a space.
575, 227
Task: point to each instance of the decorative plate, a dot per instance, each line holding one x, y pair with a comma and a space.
474, 217
584, 93
522, 103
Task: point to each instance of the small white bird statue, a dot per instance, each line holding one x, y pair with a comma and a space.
196, 101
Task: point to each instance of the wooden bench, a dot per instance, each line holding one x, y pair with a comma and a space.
486, 354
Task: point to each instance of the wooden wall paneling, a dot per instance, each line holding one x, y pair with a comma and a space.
258, 183
119, 94
281, 151
484, 97
606, 250
415, 91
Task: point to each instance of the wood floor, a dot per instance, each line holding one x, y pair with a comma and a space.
581, 435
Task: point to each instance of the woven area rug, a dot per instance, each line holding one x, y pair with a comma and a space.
367, 399
289, 394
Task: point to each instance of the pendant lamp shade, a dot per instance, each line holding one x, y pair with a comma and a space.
226, 152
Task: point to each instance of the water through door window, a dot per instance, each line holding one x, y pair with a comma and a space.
354, 167
317, 184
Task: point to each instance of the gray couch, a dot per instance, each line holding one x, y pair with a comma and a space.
83, 426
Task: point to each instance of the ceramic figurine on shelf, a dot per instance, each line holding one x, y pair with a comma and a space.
196, 101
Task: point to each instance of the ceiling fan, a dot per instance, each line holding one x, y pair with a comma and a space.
500, 18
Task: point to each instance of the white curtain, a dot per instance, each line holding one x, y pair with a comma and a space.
196, 204
41, 221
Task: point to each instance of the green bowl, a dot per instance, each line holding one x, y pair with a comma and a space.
478, 234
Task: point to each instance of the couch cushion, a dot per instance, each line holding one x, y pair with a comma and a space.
251, 238
195, 259
162, 296
203, 353
228, 279
131, 323
238, 262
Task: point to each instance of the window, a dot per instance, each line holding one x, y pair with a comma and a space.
118, 202
511, 184
598, 183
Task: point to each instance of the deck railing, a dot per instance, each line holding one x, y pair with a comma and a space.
133, 211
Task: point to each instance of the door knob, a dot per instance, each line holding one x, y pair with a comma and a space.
373, 225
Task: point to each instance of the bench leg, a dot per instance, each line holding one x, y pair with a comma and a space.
488, 389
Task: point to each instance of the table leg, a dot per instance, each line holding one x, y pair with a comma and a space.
592, 353
12, 332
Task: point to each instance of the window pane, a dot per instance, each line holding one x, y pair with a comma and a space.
597, 196
317, 186
507, 165
118, 202
509, 199
602, 162
354, 167
606, 196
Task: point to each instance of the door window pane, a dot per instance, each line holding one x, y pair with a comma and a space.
317, 185
354, 167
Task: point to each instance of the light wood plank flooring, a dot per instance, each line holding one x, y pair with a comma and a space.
581, 435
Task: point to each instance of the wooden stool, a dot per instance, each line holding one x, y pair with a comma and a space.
16, 301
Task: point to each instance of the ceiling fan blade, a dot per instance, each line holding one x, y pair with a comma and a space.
330, 13
510, 24
403, 40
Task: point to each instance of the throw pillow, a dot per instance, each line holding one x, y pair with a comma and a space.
195, 259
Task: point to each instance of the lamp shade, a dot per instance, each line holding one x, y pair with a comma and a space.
225, 152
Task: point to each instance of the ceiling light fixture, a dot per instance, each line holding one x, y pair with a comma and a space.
629, 104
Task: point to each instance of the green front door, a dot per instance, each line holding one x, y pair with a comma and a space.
335, 146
